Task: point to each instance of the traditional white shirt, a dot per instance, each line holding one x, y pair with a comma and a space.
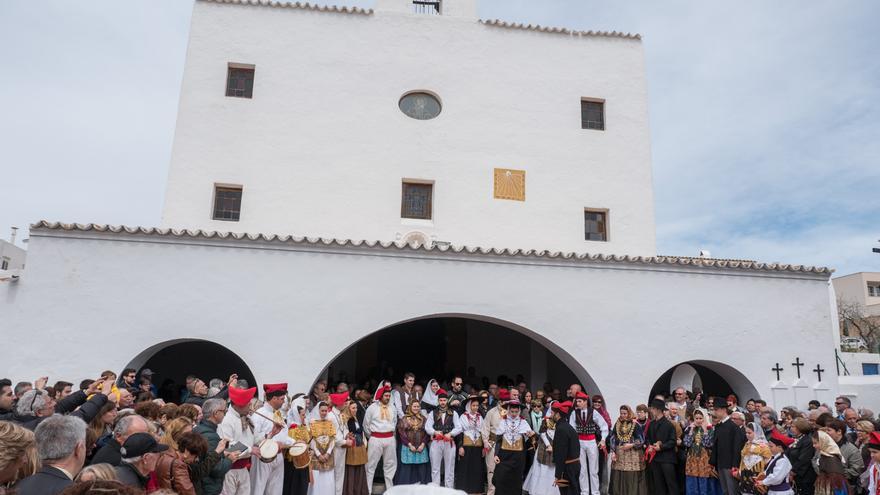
401, 399
597, 418
471, 425
380, 419
341, 428
512, 428
231, 428
781, 468
263, 427
873, 478
456, 424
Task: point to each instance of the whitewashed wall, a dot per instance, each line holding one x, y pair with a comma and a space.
322, 147
92, 301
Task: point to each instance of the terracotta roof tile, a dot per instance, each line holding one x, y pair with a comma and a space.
559, 30
397, 246
488, 22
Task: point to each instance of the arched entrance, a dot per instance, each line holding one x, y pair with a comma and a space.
171, 361
710, 377
481, 349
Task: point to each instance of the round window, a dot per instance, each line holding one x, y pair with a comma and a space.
420, 105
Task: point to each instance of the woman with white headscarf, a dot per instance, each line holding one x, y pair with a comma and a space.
755, 455
542, 475
297, 480
430, 400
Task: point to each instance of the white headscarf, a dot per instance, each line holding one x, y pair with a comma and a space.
759, 433
293, 413
430, 397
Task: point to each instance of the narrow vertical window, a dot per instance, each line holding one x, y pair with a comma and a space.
416, 200
593, 114
596, 225
227, 203
240, 81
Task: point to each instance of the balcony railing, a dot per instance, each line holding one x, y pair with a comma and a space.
426, 7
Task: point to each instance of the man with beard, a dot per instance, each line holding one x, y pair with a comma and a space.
566, 451
380, 422
442, 426
592, 430
457, 395
513, 434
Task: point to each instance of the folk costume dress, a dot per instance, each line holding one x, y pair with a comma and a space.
699, 475
470, 470
355, 460
323, 433
776, 476
628, 470
512, 437
297, 479
415, 466
591, 429
755, 455
543, 471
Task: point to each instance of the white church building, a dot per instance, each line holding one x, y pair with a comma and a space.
358, 193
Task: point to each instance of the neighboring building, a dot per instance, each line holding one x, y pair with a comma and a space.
858, 307
12, 257
862, 288
467, 141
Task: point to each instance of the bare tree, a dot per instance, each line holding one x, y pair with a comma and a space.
856, 322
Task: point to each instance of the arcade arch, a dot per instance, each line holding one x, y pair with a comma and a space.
710, 377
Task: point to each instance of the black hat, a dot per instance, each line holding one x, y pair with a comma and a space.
471, 399
720, 402
658, 404
139, 444
514, 403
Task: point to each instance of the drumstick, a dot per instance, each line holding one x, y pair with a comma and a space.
258, 413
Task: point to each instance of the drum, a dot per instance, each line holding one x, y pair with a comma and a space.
268, 450
299, 455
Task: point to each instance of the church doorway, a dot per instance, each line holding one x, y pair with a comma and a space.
483, 351
172, 361
709, 377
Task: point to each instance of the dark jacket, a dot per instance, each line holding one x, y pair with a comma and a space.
87, 411
128, 475
200, 401
212, 482
108, 454
727, 446
662, 430
46, 481
566, 447
801, 454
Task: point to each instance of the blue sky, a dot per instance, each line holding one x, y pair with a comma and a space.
765, 116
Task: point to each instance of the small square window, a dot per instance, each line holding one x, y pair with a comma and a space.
593, 114
873, 289
595, 225
416, 200
870, 369
227, 203
240, 81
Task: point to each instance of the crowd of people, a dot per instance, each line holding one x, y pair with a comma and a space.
113, 435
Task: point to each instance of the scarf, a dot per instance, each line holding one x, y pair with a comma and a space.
384, 412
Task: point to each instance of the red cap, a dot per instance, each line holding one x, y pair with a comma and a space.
241, 397
562, 407
268, 388
442, 393
504, 394
382, 391
780, 439
339, 399
874, 441
581, 395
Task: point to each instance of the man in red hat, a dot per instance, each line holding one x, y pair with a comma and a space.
443, 425
267, 478
566, 451
380, 422
339, 400
237, 428
592, 430
490, 424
